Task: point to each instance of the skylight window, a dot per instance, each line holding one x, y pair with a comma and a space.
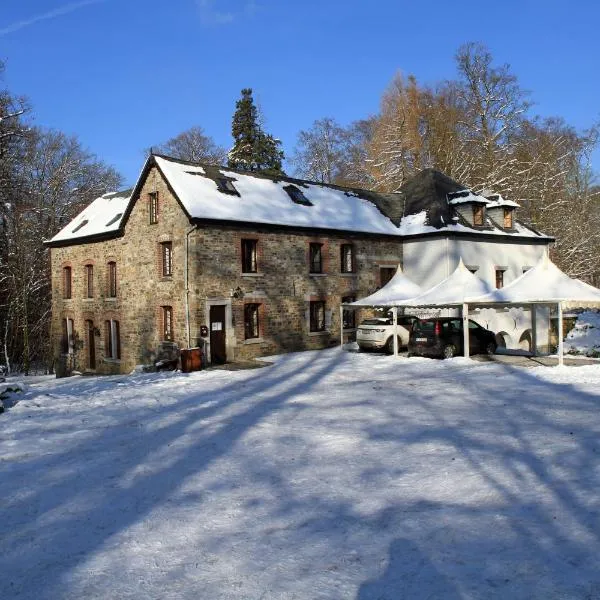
226, 186
114, 219
82, 224
297, 195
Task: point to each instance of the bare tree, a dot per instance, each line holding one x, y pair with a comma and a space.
193, 145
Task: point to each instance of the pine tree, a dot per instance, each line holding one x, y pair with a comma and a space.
253, 150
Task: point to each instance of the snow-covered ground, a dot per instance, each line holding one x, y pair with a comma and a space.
329, 475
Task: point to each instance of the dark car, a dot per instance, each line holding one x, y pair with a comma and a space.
443, 336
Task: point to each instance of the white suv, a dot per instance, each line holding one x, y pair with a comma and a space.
378, 333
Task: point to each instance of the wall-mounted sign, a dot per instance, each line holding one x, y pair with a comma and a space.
216, 326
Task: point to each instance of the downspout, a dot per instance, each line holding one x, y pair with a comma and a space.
447, 256
187, 285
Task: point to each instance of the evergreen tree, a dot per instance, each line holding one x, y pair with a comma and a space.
253, 150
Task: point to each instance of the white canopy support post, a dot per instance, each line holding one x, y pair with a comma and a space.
341, 325
465, 318
395, 322
534, 329
560, 336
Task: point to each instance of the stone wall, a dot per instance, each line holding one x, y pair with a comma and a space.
282, 286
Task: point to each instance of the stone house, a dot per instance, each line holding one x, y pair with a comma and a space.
248, 265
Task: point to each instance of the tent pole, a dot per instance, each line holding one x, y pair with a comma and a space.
465, 319
341, 326
560, 336
534, 329
395, 321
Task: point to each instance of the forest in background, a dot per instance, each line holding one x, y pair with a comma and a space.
479, 128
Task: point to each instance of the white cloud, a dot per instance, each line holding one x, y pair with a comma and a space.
57, 12
223, 12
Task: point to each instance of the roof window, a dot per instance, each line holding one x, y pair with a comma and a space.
297, 195
82, 224
226, 186
114, 219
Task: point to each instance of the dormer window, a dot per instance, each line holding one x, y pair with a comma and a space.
82, 224
478, 214
226, 186
508, 218
114, 219
297, 195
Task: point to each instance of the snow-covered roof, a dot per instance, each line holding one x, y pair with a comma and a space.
497, 201
543, 283
217, 193
456, 289
464, 197
102, 216
399, 287
265, 200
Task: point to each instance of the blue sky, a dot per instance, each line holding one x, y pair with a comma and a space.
123, 75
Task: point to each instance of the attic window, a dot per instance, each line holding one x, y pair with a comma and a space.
297, 195
226, 186
508, 218
82, 224
114, 219
477, 215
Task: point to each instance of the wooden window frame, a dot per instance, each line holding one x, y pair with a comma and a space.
249, 248
89, 281
166, 254
153, 207
500, 278
315, 306
252, 320
112, 332
67, 342
67, 283
478, 215
508, 218
112, 279
167, 323
347, 251
348, 315
315, 258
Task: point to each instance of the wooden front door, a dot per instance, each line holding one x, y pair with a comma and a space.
91, 345
217, 335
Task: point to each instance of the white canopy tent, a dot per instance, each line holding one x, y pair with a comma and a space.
398, 288
543, 284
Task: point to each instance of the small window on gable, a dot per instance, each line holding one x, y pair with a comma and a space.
478, 214
167, 258
114, 219
226, 186
508, 218
297, 195
82, 224
153, 207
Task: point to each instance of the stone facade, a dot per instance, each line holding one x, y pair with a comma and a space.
282, 286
